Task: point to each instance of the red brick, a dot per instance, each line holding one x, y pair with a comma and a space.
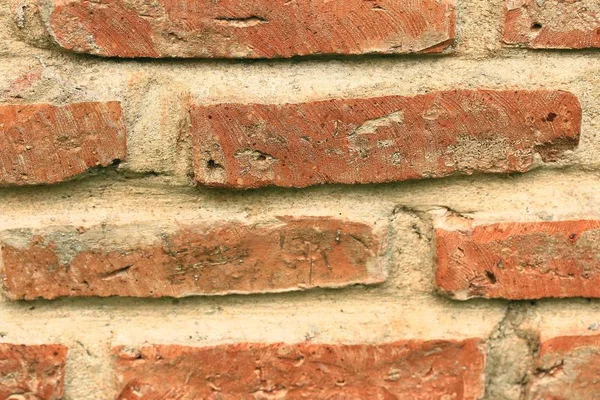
381, 139
402, 370
518, 260
552, 24
43, 144
199, 259
252, 28
567, 368
36, 371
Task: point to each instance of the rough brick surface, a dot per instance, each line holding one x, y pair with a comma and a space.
32, 372
412, 369
553, 24
142, 261
250, 29
381, 139
43, 144
518, 260
567, 368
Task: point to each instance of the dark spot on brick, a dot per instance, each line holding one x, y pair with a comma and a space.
491, 276
212, 164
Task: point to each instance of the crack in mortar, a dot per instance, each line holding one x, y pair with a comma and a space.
511, 351
510, 356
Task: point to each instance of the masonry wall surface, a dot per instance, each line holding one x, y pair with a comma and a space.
155, 184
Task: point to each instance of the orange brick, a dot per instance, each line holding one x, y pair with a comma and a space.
419, 370
43, 144
194, 259
517, 260
252, 28
384, 139
552, 24
567, 368
35, 371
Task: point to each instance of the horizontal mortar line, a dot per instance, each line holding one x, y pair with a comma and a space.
487, 55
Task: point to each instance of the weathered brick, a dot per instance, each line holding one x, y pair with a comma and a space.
567, 368
408, 369
517, 260
32, 372
552, 24
186, 260
250, 29
43, 144
381, 139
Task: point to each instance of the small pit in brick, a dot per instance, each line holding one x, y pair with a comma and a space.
212, 164
536, 26
551, 117
491, 277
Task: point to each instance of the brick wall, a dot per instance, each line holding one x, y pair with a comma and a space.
294, 199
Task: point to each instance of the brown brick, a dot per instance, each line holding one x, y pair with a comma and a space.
518, 260
552, 24
34, 372
381, 139
567, 368
250, 29
401, 370
186, 260
43, 144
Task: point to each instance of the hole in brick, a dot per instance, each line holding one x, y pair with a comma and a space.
491, 276
212, 164
262, 157
115, 162
551, 117
536, 26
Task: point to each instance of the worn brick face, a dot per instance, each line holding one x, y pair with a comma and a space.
567, 368
381, 139
553, 24
43, 144
250, 29
145, 261
32, 372
518, 260
410, 369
